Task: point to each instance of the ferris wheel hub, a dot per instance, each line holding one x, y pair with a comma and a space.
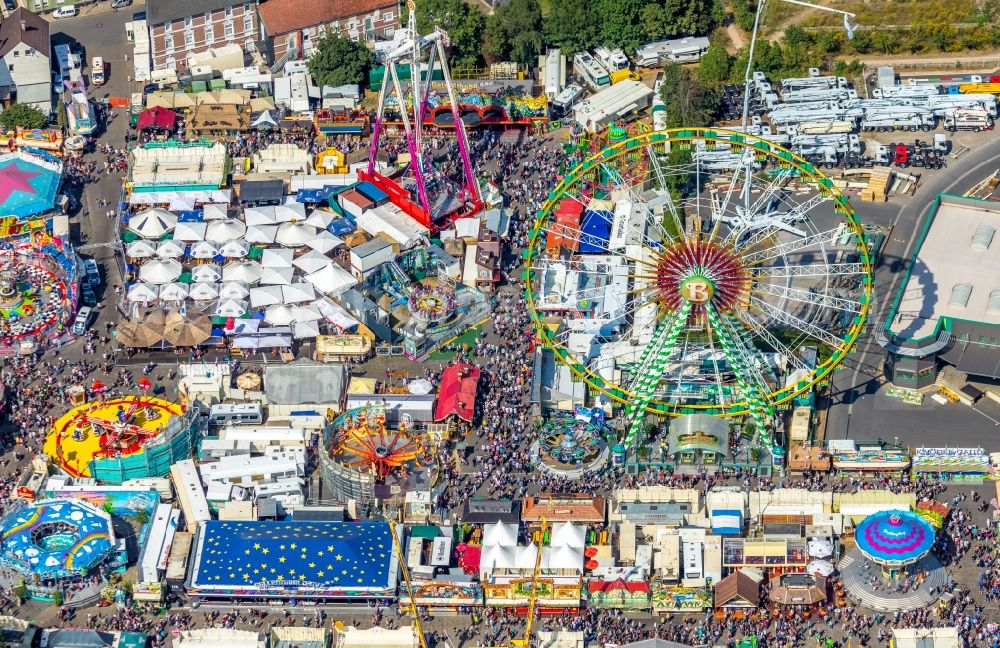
697, 289
699, 272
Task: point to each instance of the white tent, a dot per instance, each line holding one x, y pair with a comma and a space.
276, 276
204, 250
204, 291
297, 293
324, 242
305, 314
277, 258
265, 296
331, 280
496, 557
140, 249
174, 292
230, 307
525, 557
186, 231
280, 315
143, 292
206, 273
563, 558
302, 330
181, 203
295, 234
259, 216
320, 218
246, 270
235, 249
160, 271
170, 249
293, 211
234, 290
311, 261
225, 230
501, 534
568, 534
215, 211
153, 223
261, 233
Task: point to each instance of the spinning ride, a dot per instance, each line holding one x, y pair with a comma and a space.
360, 440
104, 430
571, 447
715, 273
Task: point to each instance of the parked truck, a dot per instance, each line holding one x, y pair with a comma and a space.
968, 120
835, 126
890, 121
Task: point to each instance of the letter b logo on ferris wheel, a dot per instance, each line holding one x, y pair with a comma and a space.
697, 290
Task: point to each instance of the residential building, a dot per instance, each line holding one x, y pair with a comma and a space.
25, 76
292, 28
180, 28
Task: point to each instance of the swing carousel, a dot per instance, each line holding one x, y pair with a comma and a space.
108, 431
571, 447
370, 458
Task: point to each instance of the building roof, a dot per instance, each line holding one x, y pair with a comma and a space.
305, 382
34, 34
563, 507
160, 11
457, 392
284, 16
489, 511
737, 590
655, 643
79, 638
293, 637
926, 638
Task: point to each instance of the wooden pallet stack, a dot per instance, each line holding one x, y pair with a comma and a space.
878, 185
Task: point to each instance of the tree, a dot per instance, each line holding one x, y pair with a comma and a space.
514, 33
338, 61
653, 21
620, 23
571, 25
713, 68
463, 23
688, 101
24, 116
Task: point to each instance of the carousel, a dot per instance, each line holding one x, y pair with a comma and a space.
103, 430
370, 458
431, 302
571, 447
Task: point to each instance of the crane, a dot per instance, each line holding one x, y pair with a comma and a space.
409, 590
533, 597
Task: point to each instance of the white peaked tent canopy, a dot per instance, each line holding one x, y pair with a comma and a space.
295, 234
246, 271
297, 293
204, 291
143, 292
311, 261
293, 211
320, 218
186, 231
170, 249
301, 330
261, 233
228, 229
568, 534
498, 533
153, 223
234, 290
563, 558
280, 315
277, 276
259, 216
174, 292
230, 307
277, 258
305, 314
206, 273
324, 242
215, 211
496, 557
525, 556
265, 296
235, 249
160, 271
140, 249
331, 280
204, 250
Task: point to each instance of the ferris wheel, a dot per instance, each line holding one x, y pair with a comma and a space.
697, 270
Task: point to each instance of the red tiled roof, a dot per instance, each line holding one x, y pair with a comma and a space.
563, 507
457, 393
285, 16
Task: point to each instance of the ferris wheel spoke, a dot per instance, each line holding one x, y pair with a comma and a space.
783, 249
650, 217
802, 326
809, 297
820, 270
774, 342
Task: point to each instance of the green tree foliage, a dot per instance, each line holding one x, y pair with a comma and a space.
688, 101
743, 13
24, 116
677, 183
571, 25
464, 24
620, 22
713, 68
340, 60
514, 33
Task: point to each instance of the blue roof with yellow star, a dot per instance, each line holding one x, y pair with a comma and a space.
304, 557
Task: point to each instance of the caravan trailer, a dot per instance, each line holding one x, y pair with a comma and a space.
554, 73
593, 73
678, 50
562, 105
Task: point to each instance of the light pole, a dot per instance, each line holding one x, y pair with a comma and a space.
753, 43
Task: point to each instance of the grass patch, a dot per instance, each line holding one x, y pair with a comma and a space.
898, 13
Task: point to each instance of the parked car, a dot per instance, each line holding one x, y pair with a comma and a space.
118, 4
93, 272
82, 320
64, 12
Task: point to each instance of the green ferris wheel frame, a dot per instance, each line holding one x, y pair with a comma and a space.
761, 149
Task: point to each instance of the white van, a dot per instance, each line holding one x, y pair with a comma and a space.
97, 71
82, 320
236, 413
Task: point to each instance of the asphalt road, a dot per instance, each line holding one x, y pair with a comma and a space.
860, 410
